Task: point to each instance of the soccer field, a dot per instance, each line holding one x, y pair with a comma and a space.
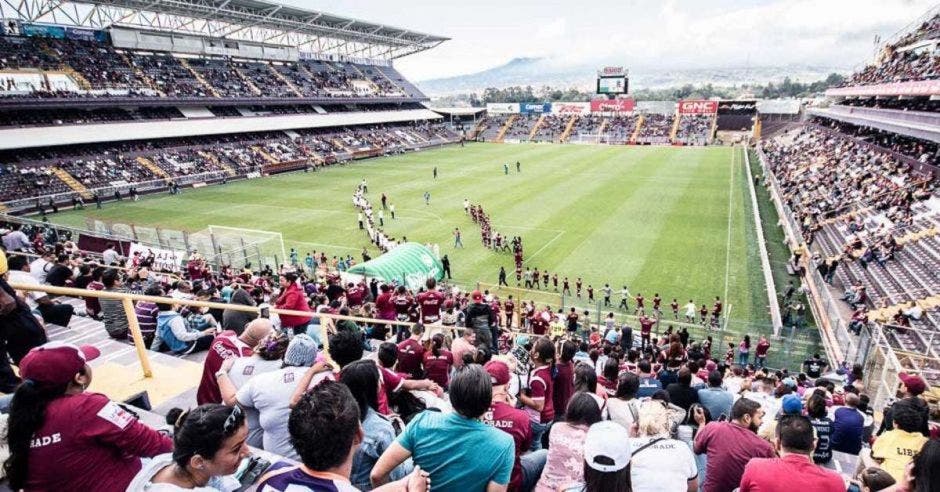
669, 220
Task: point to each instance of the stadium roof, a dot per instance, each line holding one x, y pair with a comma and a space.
250, 20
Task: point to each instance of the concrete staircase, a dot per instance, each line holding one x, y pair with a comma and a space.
152, 166
567, 133
198, 76
248, 83
138, 72
79, 79
285, 80
675, 128
915, 236
502, 131
639, 126
477, 129
215, 160
73, 183
535, 127
263, 153
603, 127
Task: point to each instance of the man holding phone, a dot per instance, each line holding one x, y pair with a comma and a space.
730, 445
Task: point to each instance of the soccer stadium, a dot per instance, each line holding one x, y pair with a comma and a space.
274, 260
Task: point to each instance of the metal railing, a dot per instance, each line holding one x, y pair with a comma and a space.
107, 192
127, 299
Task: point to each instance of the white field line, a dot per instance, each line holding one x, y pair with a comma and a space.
730, 215
333, 246
545, 246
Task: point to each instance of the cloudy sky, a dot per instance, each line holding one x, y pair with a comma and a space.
636, 33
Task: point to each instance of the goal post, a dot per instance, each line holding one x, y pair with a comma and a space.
237, 246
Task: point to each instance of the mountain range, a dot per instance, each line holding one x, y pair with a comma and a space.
539, 72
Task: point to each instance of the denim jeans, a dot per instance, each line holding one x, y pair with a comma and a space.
760, 361
532, 464
538, 429
742, 358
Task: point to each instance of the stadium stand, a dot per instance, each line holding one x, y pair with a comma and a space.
655, 129
250, 345
100, 67
694, 129
912, 57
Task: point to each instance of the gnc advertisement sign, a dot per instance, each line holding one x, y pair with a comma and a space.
571, 108
698, 106
612, 105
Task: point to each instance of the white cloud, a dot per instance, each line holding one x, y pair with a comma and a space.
637, 33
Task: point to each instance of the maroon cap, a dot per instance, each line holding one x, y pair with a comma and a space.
498, 371
915, 384
56, 362
476, 295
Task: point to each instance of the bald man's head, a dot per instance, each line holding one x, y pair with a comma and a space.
851, 400
258, 329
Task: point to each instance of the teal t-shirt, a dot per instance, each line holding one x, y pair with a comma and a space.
459, 453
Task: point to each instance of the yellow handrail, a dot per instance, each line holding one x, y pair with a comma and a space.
126, 299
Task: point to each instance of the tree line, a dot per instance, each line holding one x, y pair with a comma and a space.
517, 94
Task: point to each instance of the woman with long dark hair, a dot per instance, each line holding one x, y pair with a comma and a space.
537, 401
566, 443
209, 444
438, 361
744, 350
362, 379
62, 437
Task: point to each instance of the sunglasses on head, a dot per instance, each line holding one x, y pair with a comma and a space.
230, 422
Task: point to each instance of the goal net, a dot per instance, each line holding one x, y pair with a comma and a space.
238, 246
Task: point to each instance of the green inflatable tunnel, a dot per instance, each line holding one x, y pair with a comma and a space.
409, 264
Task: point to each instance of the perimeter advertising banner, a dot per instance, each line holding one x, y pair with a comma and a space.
745, 108
612, 105
571, 108
535, 108
164, 259
502, 108
698, 106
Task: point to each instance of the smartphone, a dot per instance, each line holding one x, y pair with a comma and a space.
853, 487
250, 470
265, 312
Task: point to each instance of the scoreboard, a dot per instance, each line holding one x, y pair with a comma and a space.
612, 81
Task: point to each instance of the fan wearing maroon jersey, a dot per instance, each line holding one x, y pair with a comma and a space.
527, 467
646, 330
355, 293
411, 353
509, 306
438, 361
539, 323
430, 302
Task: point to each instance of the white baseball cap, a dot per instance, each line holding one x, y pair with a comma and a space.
609, 440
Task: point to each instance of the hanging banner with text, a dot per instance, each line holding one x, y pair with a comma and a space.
571, 108
698, 106
163, 259
612, 105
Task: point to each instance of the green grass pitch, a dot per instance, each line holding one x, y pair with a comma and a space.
669, 220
